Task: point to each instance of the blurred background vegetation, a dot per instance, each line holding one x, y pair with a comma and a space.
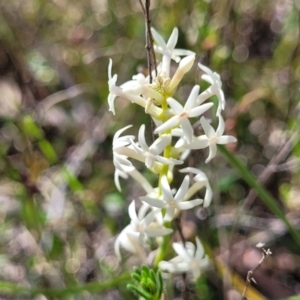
59, 208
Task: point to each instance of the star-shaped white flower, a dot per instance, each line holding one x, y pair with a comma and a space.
121, 161
201, 180
140, 228
211, 138
189, 259
172, 203
215, 89
151, 153
182, 114
168, 50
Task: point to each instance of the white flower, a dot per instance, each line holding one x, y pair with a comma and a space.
189, 259
120, 161
168, 50
130, 90
171, 203
200, 181
183, 113
151, 153
140, 228
211, 138
215, 89
112, 88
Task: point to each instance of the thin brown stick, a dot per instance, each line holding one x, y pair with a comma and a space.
151, 59
250, 277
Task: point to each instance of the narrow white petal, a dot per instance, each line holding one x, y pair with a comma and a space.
157, 232
153, 202
142, 140
173, 40
149, 161
120, 131
221, 127
208, 129
225, 139
172, 122
189, 204
212, 152
199, 143
182, 252
200, 250
182, 52
181, 267
137, 149
109, 68
160, 144
197, 111
166, 189
208, 196
132, 212
150, 217
170, 212
205, 69
158, 39
111, 100
175, 105
183, 189
187, 129
191, 101
169, 161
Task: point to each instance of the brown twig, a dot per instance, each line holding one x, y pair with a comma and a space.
250, 277
149, 39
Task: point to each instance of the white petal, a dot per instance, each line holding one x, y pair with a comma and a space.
137, 149
208, 129
169, 161
149, 161
166, 189
157, 232
191, 101
150, 217
175, 105
132, 212
170, 212
212, 152
142, 140
208, 196
120, 131
173, 40
187, 129
199, 143
197, 111
174, 267
109, 68
111, 99
172, 122
153, 202
225, 139
160, 144
189, 204
200, 250
183, 189
182, 252
221, 126
158, 39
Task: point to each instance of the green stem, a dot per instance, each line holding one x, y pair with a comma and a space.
9, 288
163, 247
260, 190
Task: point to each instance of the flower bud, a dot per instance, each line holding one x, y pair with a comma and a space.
184, 66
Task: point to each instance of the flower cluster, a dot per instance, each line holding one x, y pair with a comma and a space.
175, 139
